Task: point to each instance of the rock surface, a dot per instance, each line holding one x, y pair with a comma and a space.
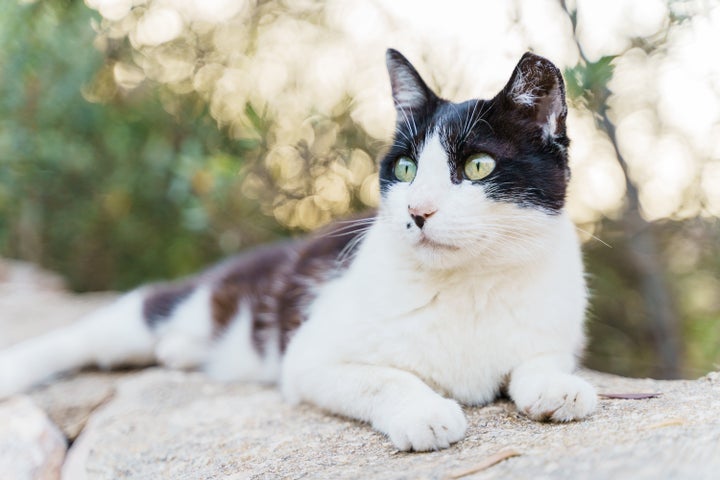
69, 402
164, 424
31, 446
156, 424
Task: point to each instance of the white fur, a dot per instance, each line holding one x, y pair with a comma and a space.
499, 295
432, 182
113, 335
523, 92
234, 357
185, 340
542, 390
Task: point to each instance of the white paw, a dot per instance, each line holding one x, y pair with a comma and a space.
11, 380
181, 351
427, 425
558, 397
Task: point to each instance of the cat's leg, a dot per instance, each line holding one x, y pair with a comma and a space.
393, 401
184, 338
544, 389
115, 334
126, 332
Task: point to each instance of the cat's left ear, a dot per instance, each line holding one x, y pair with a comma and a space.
536, 89
409, 91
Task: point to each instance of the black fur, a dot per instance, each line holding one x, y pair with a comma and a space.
530, 151
161, 300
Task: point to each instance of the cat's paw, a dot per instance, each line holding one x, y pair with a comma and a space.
427, 425
555, 397
181, 351
11, 381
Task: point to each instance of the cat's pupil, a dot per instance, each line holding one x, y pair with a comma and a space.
405, 169
479, 166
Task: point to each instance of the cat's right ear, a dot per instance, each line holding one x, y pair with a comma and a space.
536, 89
409, 91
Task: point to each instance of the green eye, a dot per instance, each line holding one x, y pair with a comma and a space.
479, 166
405, 169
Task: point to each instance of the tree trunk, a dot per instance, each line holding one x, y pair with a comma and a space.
645, 257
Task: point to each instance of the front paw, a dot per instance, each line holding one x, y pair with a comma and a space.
556, 397
426, 425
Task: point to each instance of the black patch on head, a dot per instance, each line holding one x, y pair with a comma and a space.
522, 128
415, 105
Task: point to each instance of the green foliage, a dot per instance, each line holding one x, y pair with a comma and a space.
586, 82
621, 335
108, 194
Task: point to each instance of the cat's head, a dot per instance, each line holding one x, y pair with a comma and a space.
479, 178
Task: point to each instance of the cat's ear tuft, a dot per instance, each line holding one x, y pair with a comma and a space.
409, 91
536, 88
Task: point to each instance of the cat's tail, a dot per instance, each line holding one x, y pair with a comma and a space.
117, 334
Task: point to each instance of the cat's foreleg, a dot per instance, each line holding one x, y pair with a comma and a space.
393, 401
544, 388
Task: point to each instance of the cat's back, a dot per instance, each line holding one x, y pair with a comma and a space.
276, 282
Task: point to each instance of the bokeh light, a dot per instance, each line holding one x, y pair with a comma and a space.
296, 62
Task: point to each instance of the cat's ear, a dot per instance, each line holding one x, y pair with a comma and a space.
409, 91
536, 89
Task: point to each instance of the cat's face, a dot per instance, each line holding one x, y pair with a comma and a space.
481, 179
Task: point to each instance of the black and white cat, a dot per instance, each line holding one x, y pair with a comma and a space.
467, 282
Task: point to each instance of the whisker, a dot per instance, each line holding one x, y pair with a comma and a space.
593, 236
357, 221
467, 129
349, 249
346, 233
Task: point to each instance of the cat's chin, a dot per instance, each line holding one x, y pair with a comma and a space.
435, 255
433, 245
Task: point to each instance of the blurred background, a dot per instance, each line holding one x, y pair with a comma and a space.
144, 139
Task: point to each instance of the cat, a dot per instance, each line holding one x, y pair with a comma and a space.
467, 283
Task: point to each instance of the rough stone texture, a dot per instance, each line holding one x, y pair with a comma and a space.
175, 425
70, 401
157, 424
31, 447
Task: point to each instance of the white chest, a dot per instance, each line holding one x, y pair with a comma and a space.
462, 334
461, 343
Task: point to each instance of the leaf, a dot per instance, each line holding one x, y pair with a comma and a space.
586, 83
630, 396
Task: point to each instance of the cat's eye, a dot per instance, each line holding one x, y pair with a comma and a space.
479, 166
405, 169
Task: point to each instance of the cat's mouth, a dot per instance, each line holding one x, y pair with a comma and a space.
427, 242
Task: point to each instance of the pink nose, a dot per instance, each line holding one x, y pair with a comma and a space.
420, 214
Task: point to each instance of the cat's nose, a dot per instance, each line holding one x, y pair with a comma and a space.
420, 214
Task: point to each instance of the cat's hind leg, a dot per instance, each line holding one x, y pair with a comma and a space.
166, 323
113, 335
185, 336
